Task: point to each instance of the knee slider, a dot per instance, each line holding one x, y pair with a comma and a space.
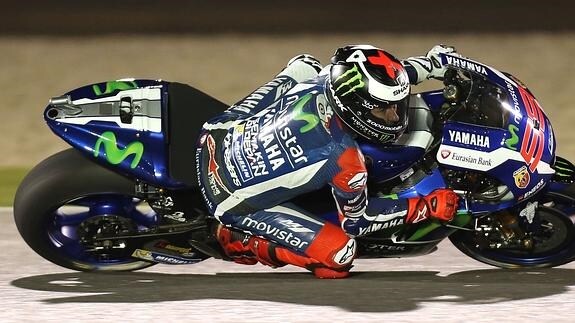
332, 247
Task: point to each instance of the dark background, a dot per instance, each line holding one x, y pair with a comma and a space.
80, 17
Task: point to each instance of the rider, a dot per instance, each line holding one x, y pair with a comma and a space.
296, 134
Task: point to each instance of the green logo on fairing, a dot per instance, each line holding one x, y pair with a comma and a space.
460, 220
511, 143
298, 114
562, 169
354, 81
115, 155
113, 86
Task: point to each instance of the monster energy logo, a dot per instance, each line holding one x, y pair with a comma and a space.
460, 220
115, 155
354, 81
113, 86
563, 169
511, 143
298, 114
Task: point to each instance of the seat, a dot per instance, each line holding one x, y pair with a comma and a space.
188, 109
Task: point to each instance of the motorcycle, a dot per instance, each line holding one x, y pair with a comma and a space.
126, 196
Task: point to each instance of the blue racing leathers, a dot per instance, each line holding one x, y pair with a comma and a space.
281, 141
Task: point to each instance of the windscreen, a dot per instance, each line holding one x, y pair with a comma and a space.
483, 102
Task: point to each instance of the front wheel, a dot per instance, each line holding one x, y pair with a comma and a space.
64, 199
511, 242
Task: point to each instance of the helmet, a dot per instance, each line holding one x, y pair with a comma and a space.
369, 91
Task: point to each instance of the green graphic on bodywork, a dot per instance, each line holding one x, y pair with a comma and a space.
511, 143
460, 220
115, 155
391, 197
298, 114
353, 76
113, 86
562, 170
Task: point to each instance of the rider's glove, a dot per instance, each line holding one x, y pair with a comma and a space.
302, 67
420, 68
441, 204
308, 59
438, 69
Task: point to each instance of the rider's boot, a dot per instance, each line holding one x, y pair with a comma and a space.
247, 249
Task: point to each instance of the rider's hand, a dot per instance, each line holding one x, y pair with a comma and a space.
308, 59
438, 69
441, 204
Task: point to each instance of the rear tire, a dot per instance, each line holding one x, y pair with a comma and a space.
70, 179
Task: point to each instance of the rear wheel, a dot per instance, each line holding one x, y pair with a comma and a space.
66, 199
511, 242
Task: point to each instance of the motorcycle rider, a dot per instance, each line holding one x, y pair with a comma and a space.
296, 134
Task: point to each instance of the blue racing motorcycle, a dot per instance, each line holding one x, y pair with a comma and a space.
126, 196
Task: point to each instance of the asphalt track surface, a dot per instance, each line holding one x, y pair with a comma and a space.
442, 287
445, 286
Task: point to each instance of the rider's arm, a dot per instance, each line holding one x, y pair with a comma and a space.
360, 214
421, 68
357, 212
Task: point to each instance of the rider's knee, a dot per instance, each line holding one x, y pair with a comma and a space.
332, 247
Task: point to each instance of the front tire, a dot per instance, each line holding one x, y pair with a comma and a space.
62, 197
553, 237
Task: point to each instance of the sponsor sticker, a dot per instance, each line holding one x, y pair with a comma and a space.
468, 138
143, 254
267, 229
214, 180
346, 254
378, 226
533, 190
470, 158
465, 64
521, 177
269, 140
203, 139
324, 112
358, 181
383, 247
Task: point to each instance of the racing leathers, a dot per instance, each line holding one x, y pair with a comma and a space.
282, 141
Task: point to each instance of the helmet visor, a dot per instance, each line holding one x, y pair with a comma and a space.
388, 115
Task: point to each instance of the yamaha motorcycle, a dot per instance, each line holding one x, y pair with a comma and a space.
126, 197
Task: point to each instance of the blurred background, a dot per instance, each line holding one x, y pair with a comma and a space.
228, 48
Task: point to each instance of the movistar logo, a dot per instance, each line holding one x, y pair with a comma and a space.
298, 114
113, 86
115, 155
511, 143
352, 79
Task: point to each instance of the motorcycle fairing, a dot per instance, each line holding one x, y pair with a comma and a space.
520, 155
133, 141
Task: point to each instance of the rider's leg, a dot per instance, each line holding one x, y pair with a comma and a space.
285, 235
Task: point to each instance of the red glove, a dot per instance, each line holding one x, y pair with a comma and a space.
441, 204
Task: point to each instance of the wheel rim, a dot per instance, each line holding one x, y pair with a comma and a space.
554, 240
65, 225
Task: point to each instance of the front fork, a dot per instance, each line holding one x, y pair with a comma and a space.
502, 230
